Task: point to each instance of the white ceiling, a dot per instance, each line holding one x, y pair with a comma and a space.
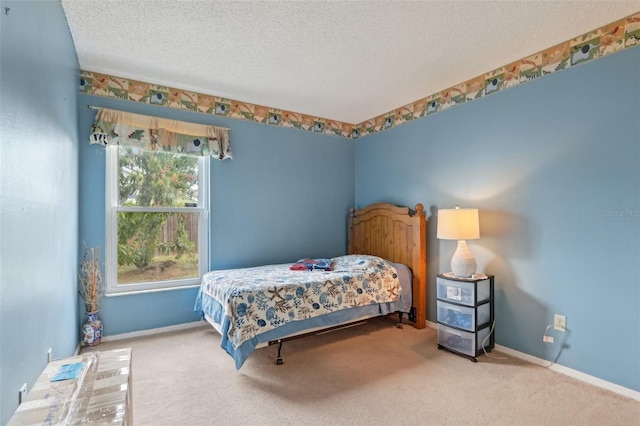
342, 60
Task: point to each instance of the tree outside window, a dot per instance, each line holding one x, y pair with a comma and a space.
160, 218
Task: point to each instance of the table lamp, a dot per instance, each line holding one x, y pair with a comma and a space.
460, 224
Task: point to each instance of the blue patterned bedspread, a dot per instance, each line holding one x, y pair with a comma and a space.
252, 301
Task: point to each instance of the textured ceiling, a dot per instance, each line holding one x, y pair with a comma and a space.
341, 60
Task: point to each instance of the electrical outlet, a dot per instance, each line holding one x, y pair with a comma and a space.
49, 355
22, 394
559, 322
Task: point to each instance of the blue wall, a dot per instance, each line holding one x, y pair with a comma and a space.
548, 164
285, 195
38, 194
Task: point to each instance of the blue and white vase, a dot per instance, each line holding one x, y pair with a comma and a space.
92, 330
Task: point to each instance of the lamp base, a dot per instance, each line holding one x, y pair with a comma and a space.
463, 264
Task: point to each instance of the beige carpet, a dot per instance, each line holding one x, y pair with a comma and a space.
372, 374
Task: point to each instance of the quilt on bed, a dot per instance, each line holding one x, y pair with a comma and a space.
256, 300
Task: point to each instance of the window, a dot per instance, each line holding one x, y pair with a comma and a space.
156, 220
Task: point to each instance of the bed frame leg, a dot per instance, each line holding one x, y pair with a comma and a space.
399, 324
413, 314
279, 360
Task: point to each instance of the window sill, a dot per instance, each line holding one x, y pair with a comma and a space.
150, 290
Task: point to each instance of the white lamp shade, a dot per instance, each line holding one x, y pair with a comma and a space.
458, 224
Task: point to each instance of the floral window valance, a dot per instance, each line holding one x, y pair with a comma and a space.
159, 134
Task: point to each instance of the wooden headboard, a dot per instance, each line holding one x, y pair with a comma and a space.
395, 234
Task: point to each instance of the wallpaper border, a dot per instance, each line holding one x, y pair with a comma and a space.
610, 38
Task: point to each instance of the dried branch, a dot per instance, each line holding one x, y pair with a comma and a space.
91, 283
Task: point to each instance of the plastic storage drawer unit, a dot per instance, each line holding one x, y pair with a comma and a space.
463, 317
462, 292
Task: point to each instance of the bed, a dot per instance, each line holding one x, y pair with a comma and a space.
383, 273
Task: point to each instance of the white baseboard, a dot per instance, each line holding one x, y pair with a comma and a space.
583, 377
153, 331
579, 375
